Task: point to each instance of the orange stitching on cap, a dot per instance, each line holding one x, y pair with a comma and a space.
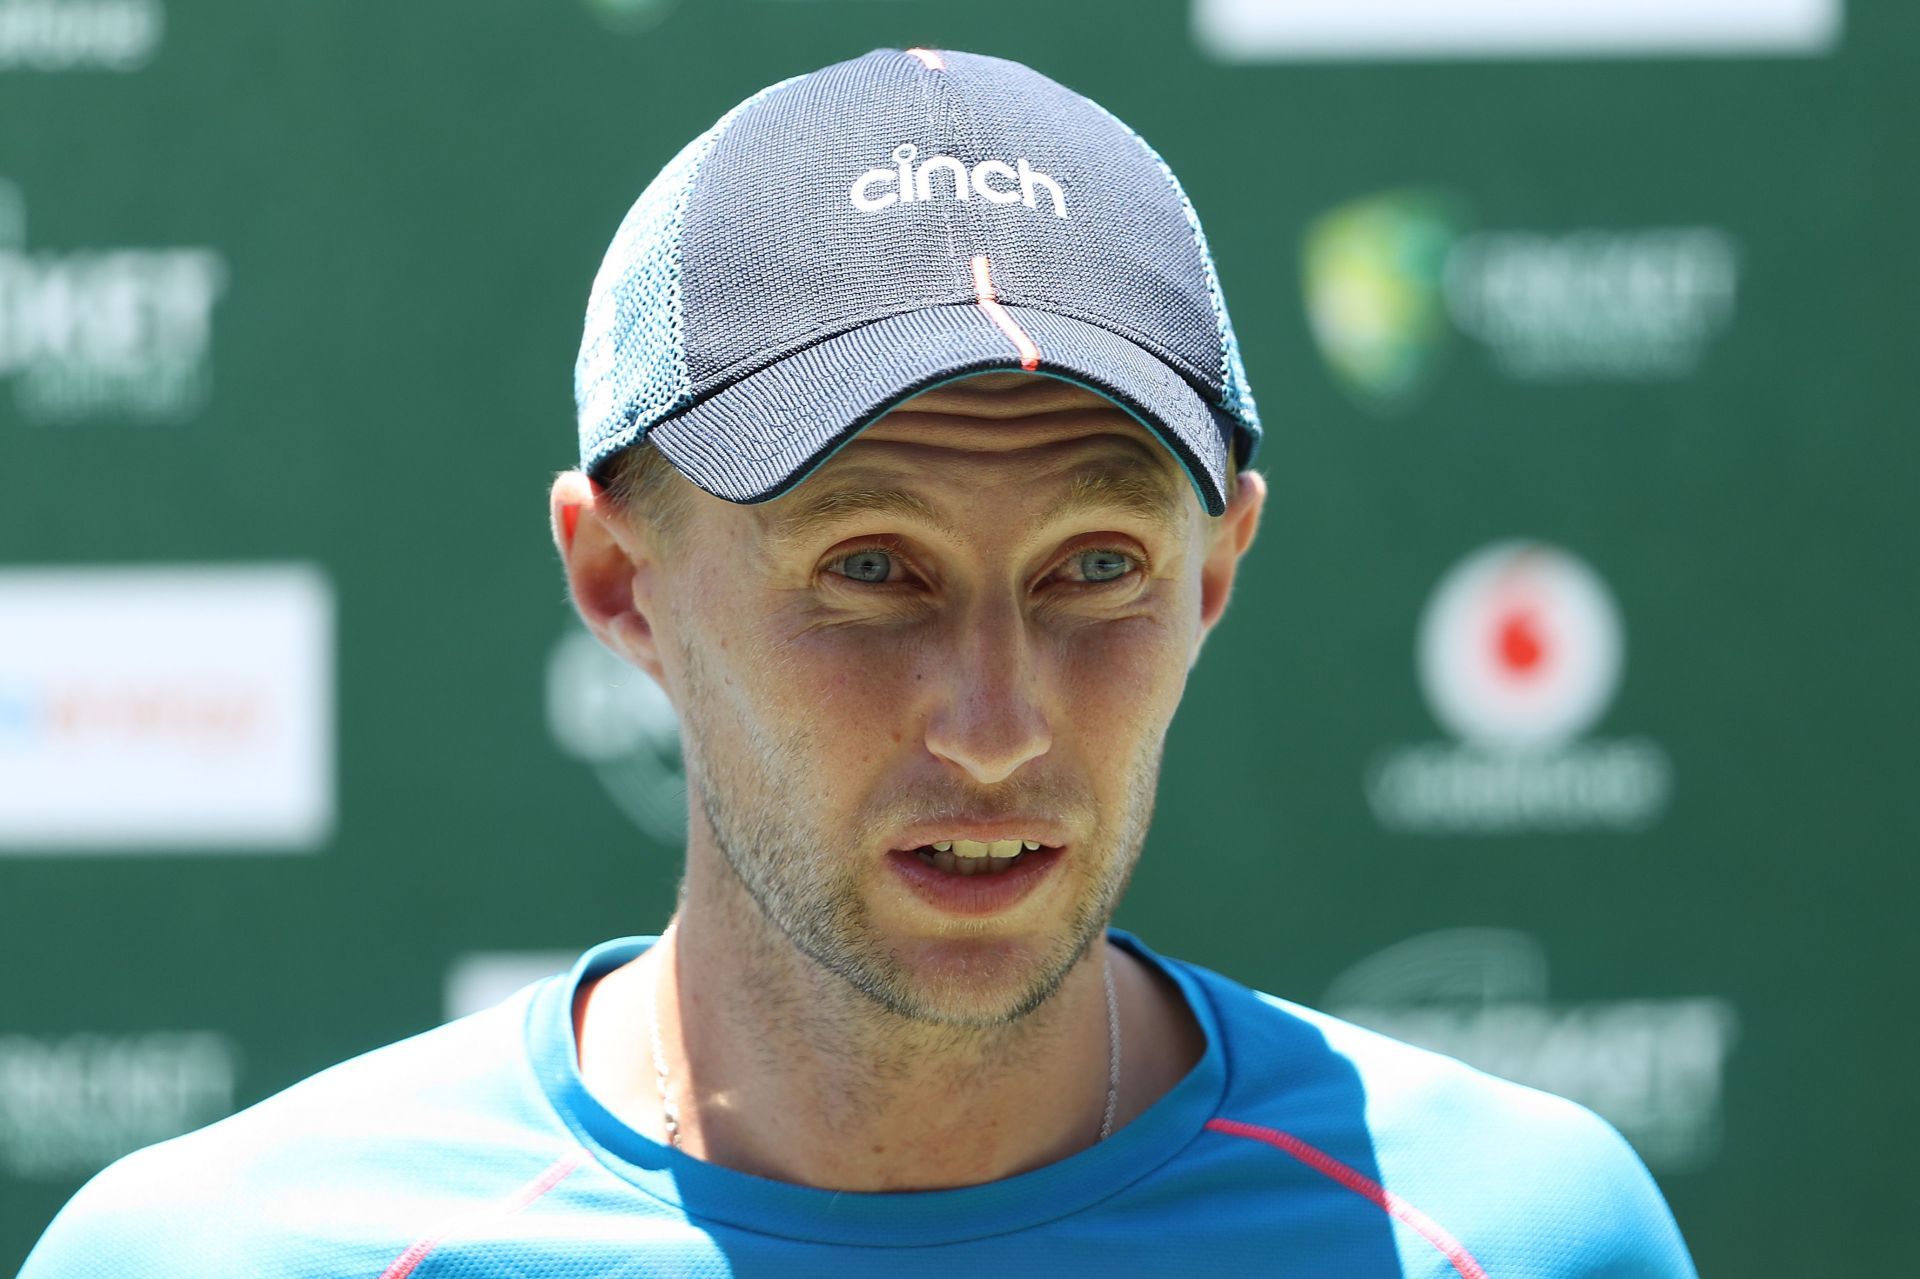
983, 290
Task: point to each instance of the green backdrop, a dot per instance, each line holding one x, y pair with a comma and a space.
1559, 720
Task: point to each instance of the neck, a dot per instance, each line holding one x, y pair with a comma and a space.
784, 1070
781, 1069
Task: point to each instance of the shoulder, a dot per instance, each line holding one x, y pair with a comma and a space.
333, 1175
1524, 1181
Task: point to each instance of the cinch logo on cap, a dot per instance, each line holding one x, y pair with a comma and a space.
994, 181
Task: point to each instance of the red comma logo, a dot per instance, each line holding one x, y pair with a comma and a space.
1520, 648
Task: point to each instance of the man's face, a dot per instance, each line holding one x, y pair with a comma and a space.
972, 623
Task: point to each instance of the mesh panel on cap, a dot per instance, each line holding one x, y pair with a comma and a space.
1237, 396
632, 368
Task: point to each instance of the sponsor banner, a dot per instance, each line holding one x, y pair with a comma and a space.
480, 979
166, 708
116, 332
1519, 654
1394, 281
613, 718
72, 1104
79, 35
1311, 30
1654, 1068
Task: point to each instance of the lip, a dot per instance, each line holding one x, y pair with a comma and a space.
979, 894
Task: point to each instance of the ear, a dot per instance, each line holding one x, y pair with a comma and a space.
610, 569
1231, 534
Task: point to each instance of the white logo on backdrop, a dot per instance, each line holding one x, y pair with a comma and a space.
1631, 305
1651, 1067
105, 332
1309, 30
1519, 654
79, 35
72, 1104
186, 708
1520, 648
612, 717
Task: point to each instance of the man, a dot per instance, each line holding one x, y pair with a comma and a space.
913, 448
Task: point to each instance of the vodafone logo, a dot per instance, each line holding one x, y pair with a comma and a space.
1519, 653
1519, 648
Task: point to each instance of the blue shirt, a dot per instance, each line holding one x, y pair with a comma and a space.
1299, 1145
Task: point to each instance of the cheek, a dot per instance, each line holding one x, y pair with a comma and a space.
1121, 679
853, 688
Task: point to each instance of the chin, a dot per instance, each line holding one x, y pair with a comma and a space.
986, 981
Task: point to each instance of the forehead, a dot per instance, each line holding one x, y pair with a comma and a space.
1035, 439
1006, 411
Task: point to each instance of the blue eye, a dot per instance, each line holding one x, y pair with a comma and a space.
1103, 566
867, 566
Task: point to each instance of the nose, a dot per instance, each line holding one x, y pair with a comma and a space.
989, 716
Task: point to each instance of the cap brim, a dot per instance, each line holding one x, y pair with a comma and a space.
758, 437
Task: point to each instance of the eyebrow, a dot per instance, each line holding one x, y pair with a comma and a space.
1146, 495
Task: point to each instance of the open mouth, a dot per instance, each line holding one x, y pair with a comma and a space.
965, 857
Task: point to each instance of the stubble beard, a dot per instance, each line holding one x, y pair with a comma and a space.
811, 897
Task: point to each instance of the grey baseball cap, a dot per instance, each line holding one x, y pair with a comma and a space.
847, 238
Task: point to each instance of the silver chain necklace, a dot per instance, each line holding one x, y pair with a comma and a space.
670, 1110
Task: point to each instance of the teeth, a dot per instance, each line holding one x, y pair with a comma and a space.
974, 848
976, 856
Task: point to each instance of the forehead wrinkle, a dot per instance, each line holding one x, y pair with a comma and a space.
1144, 493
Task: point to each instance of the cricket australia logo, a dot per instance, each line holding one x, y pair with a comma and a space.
911, 180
